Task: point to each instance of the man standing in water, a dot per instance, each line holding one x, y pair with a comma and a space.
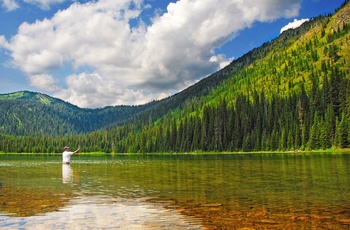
66, 155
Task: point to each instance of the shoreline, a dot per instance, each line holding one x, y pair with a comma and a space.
338, 150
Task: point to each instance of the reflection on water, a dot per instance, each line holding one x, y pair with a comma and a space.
67, 173
257, 191
98, 212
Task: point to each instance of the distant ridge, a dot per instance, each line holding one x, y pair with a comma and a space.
31, 113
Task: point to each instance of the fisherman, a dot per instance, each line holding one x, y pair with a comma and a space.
66, 155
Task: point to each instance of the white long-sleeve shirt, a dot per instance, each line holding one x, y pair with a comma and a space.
66, 156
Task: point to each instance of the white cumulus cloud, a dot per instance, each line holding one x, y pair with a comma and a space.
44, 81
114, 60
295, 24
10, 5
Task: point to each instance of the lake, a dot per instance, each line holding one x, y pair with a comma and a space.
223, 191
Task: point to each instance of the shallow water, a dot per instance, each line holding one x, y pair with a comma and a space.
252, 191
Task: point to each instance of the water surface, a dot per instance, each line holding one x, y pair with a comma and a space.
256, 191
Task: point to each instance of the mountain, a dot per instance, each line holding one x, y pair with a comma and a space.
291, 93
29, 113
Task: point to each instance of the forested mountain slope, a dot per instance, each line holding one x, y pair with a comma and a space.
28, 113
291, 93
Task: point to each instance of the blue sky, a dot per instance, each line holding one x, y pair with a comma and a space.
127, 52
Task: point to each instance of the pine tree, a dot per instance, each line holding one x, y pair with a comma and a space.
313, 140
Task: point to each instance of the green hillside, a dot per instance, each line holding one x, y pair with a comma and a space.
31, 114
291, 93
